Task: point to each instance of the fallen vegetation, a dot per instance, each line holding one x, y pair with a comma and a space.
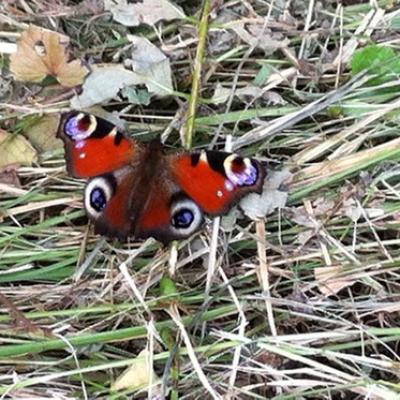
303, 302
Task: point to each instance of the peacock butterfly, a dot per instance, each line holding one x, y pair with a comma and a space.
137, 189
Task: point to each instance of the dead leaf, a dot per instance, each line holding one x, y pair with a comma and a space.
257, 35
220, 41
40, 53
304, 236
15, 149
8, 176
139, 375
6, 87
42, 133
145, 12
299, 301
103, 84
229, 221
23, 323
257, 206
354, 212
331, 279
136, 96
308, 69
247, 94
302, 217
323, 206
150, 67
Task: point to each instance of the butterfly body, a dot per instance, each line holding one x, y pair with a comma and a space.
137, 189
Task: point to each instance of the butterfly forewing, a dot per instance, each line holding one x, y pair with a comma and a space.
216, 180
94, 146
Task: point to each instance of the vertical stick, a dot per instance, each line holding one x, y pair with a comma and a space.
196, 81
264, 274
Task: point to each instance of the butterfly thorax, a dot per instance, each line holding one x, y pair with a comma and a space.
148, 179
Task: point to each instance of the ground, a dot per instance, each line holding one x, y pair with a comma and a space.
301, 302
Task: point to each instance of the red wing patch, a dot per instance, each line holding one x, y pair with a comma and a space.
94, 146
115, 220
155, 219
93, 157
202, 177
207, 187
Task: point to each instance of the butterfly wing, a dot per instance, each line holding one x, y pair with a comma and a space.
108, 202
216, 180
167, 213
94, 146
169, 216
96, 149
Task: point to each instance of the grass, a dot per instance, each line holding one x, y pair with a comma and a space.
304, 304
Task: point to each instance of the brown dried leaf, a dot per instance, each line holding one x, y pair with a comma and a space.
301, 216
138, 376
354, 211
8, 176
331, 280
23, 323
41, 52
273, 196
246, 94
145, 12
257, 35
15, 149
42, 133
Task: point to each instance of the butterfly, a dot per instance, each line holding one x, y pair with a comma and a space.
138, 189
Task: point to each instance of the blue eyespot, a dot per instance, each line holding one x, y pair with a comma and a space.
78, 127
98, 199
183, 218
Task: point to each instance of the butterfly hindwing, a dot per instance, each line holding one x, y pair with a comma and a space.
94, 146
168, 216
107, 203
217, 180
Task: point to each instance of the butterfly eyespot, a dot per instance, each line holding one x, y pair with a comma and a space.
98, 192
80, 126
186, 217
240, 171
98, 199
183, 218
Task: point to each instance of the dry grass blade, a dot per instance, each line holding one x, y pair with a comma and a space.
261, 133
